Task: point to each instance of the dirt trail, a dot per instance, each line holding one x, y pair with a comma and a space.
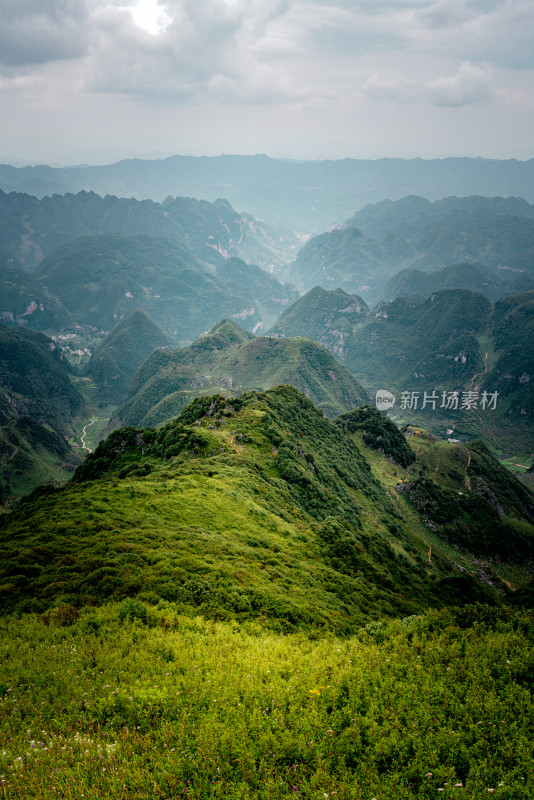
84, 434
467, 480
506, 582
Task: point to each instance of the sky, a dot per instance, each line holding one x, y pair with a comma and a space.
92, 81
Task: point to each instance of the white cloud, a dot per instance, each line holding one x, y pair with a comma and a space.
469, 85
307, 63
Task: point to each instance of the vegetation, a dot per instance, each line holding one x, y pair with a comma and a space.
136, 702
236, 604
116, 359
379, 433
261, 507
232, 361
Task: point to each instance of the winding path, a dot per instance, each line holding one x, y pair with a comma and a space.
84, 434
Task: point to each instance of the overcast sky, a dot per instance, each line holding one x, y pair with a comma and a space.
92, 80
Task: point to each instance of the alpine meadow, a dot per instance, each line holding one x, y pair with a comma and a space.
266, 400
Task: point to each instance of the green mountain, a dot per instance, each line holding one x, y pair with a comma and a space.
371, 247
24, 300
32, 228
454, 340
101, 278
38, 409
32, 454
123, 350
342, 258
252, 602
421, 344
458, 276
34, 379
261, 507
270, 297
326, 317
232, 361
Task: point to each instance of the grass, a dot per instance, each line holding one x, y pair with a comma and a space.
136, 703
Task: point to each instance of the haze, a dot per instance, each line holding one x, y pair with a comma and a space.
96, 80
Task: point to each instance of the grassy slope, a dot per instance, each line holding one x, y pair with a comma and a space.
124, 349
256, 508
138, 705
188, 687
231, 360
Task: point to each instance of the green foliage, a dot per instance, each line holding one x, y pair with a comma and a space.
124, 349
379, 433
191, 707
231, 361
261, 508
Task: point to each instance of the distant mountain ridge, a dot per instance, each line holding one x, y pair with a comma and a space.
377, 242
212, 231
454, 340
96, 280
304, 195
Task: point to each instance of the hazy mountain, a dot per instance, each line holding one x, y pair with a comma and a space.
123, 350
302, 195
262, 507
24, 300
99, 279
475, 277
38, 407
230, 360
343, 258
454, 340
32, 228
326, 317
496, 234
246, 280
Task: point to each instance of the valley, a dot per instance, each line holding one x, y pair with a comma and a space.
224, 572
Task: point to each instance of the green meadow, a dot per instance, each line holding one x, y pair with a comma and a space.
135, 702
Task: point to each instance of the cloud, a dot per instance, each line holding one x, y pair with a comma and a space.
470, 85
34, 31
271, 51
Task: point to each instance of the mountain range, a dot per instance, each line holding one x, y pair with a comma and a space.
33, 228
95, 280
307, 196
453, 341
380, 240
